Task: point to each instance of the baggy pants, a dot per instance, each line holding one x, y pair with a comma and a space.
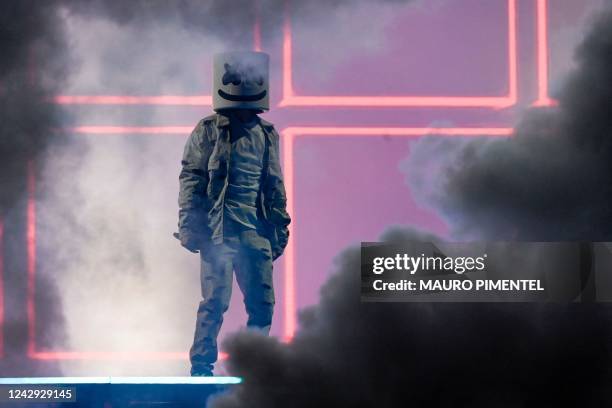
248, 253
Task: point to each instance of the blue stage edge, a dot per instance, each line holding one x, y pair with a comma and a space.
112, 392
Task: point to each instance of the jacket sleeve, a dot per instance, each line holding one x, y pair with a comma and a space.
193, 181
277, 211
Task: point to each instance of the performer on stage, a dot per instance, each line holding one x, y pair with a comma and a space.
232, 201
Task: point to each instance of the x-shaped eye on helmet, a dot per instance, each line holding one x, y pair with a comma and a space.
231, 75
234, 76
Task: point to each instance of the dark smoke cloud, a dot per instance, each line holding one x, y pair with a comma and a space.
32, 68
552, 180
352, 354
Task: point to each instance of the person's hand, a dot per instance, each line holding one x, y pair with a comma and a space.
279, 244
276, 252
189, 242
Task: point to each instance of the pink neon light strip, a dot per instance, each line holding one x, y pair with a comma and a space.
257, 39
1, 288
123, 130
289, 307
397, 131
31, 251
291, 99
257, 28
289, 134
512, 53
542, 54
204, 100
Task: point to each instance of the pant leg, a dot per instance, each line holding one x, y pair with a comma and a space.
253, 267
216, 264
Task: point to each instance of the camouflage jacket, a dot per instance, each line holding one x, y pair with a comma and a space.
203, 182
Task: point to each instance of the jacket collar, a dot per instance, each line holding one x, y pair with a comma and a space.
223, 121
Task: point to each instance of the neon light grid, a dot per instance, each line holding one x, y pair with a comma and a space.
290, 134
